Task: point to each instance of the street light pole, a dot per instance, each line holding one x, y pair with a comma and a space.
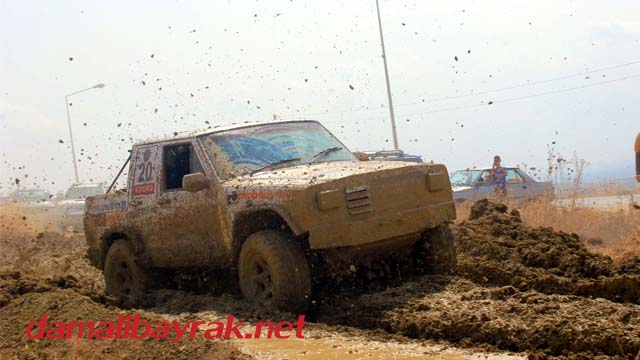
73, 150
386, 76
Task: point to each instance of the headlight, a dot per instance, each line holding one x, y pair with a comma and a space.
436, 181
329, 199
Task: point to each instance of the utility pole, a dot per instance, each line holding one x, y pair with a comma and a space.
386, 75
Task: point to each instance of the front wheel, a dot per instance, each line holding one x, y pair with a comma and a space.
274, 272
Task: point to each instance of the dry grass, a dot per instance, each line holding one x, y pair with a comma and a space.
614, 232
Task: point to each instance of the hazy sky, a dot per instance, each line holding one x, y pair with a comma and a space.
174, 65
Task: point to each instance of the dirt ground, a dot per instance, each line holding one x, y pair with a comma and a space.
518, 291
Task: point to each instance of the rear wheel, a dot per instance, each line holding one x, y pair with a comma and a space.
435, 253
274, 272
124, 277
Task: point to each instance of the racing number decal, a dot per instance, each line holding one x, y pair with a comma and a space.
145, 174
145, 171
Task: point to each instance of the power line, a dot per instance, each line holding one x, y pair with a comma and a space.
491, 103
494, 102
521, 85
453, 97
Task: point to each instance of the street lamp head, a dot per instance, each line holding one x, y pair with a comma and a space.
99, 86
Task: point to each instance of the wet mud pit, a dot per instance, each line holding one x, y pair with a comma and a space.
533, 291
517, 288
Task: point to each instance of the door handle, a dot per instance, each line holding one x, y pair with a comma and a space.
135, 202
164, 201
524, 187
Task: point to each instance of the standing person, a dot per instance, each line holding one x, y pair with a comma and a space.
499, 176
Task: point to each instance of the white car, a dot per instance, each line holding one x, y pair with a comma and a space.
476, 184
71, 208
32, 198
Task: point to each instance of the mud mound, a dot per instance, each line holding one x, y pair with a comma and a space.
496, 248
459, 310
27, 299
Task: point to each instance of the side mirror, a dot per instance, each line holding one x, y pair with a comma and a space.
195, 182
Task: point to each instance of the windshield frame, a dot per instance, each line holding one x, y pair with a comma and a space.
222, 175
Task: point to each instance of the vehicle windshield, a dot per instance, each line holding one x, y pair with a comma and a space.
32, 195
465, 177
240, 151
84, 191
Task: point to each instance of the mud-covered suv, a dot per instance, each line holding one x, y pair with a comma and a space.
263, 201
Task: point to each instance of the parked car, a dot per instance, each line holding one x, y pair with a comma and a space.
71, 208
262, 201
393, 155
32, 198
475, 184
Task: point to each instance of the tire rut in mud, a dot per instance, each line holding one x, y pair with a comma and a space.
460, 311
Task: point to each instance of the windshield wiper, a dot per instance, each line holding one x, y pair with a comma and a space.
272, 164
323, 153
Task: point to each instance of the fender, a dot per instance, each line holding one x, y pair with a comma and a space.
240, 234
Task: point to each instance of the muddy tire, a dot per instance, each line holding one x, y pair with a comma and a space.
124, 277
274, 272
436, 252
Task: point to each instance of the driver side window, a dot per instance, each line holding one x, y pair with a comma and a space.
179, 160
485, 179
514, 178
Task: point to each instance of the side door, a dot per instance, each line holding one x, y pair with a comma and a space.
517, 186
188, 222
142, 208
484, 187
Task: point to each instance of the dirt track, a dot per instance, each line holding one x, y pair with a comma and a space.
520, 289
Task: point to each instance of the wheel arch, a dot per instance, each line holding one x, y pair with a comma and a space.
130, 234
253, 220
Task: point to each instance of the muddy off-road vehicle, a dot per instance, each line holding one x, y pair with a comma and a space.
267, 202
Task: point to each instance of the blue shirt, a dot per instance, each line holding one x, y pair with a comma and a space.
499, 178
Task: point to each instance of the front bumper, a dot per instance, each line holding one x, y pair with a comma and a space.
371, 230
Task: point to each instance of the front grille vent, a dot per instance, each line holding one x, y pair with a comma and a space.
358, 201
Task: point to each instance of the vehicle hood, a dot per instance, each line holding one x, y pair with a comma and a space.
306, 175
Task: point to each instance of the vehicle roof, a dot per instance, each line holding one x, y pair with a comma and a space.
218, 128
